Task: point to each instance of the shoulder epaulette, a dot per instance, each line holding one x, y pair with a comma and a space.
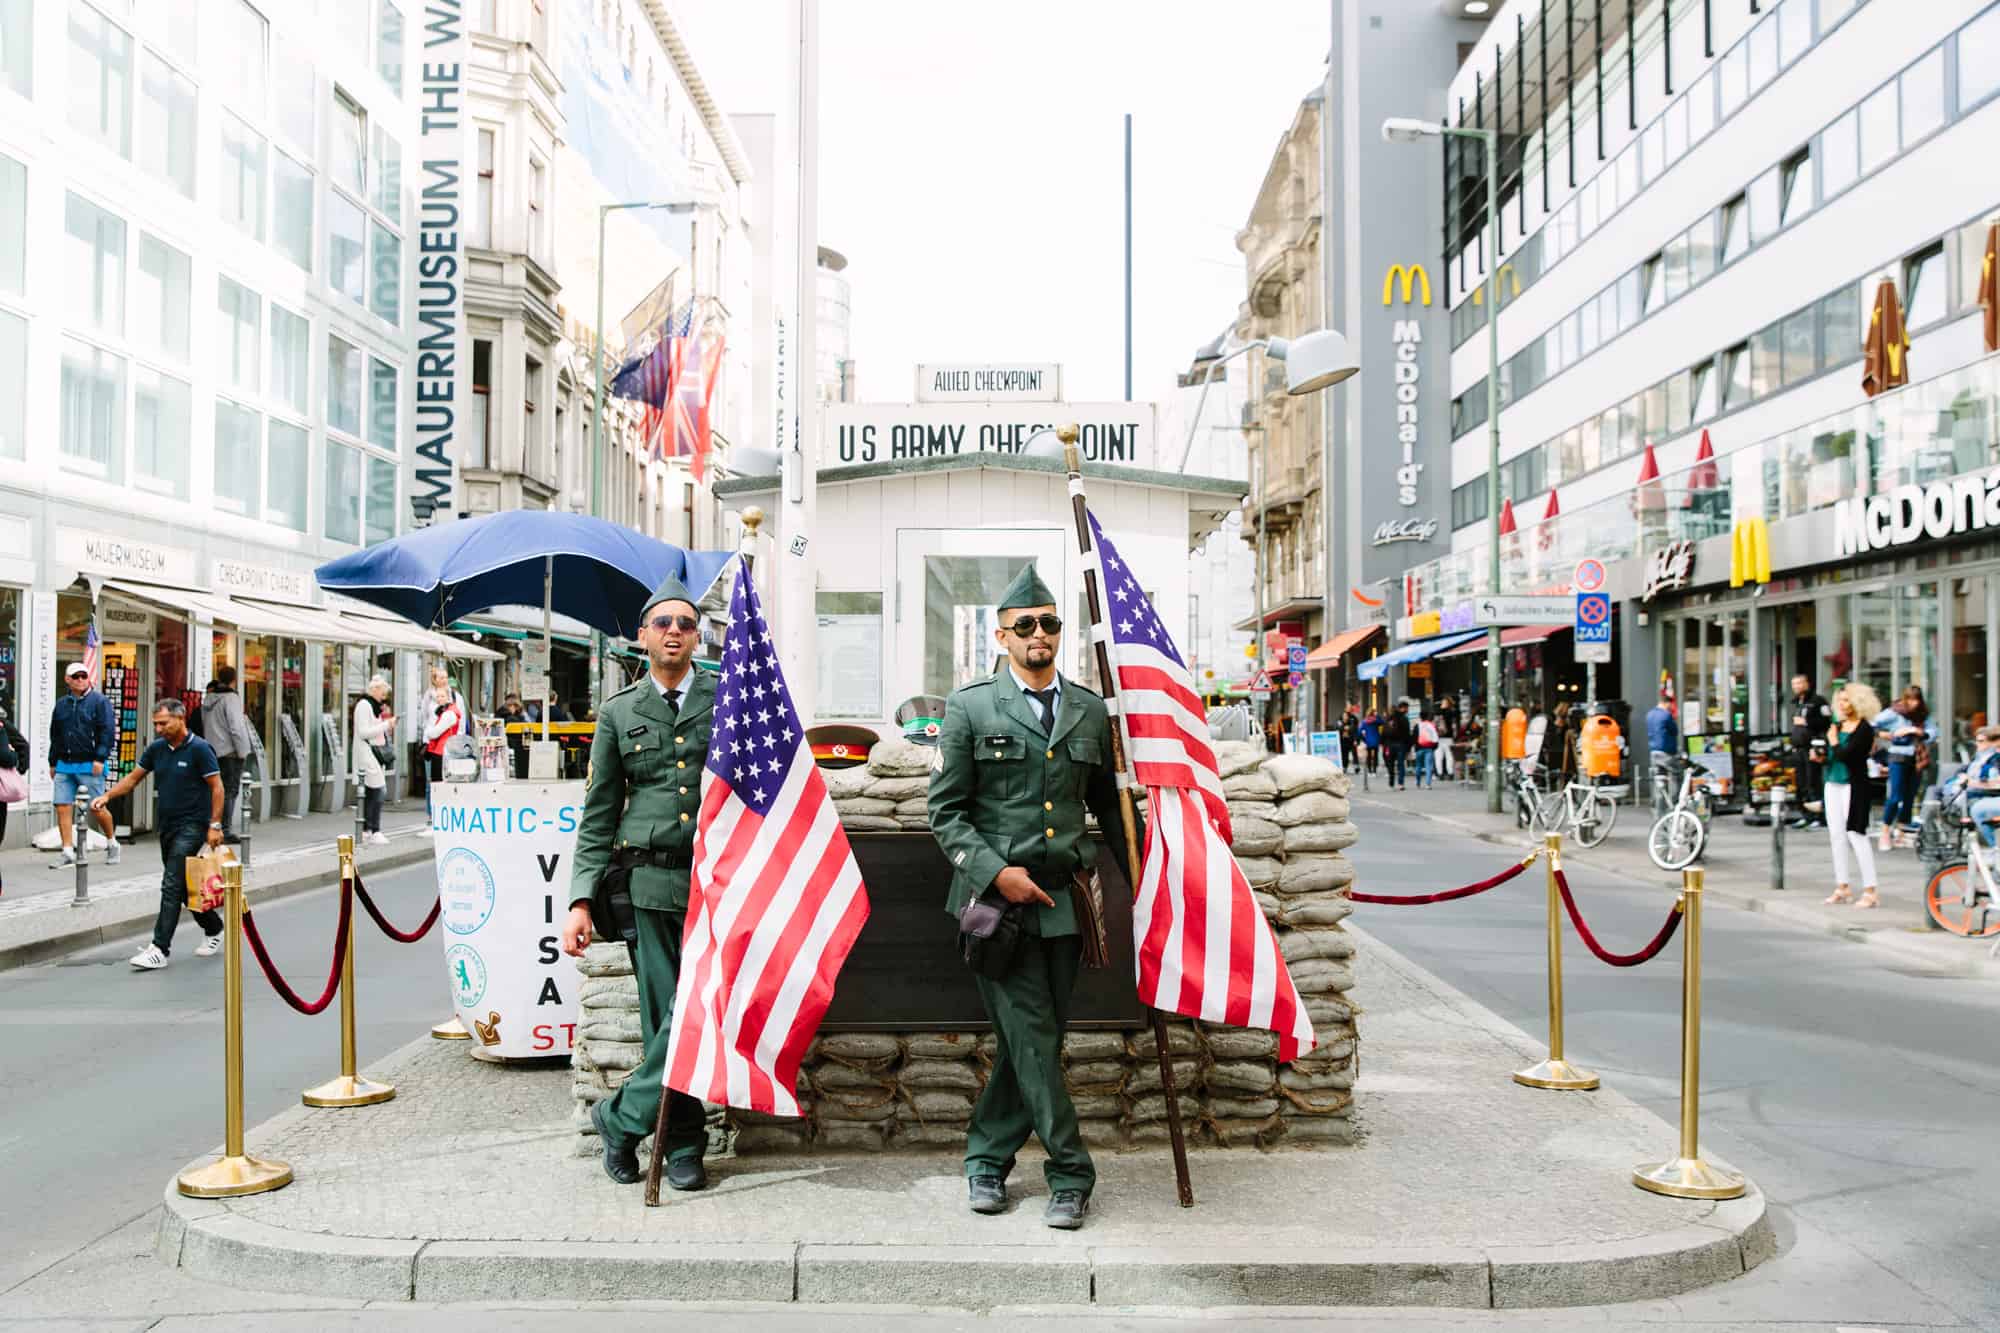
979, 684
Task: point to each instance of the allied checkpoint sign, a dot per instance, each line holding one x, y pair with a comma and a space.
503, 864
856, 433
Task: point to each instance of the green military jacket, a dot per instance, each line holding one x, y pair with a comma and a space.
1007, 795
645, 789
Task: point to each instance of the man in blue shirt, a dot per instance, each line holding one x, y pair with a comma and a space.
187, 800
1982, 778
82, 729
1663, 738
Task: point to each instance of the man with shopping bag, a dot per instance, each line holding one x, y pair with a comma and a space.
187, 800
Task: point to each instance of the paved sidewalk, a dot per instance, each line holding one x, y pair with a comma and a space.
38, 918
1738, 861
464, 1188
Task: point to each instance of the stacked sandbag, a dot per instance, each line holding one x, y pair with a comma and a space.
889, 793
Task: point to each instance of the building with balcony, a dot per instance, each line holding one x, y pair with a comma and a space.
1709, 209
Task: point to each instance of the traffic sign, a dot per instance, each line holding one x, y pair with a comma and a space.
1260, 681
1592, 630
1295, 659
1296, 679
1522, 610
1589, 576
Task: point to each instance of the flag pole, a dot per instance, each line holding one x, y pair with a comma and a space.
1108, 685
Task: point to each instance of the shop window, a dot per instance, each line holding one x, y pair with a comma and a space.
162, 412
95, 245
1798, 348
1978, 60
160, 299
239, 314
1839, 155
1924, 287
241, 197
1736, 377
290, 348
166, 124
1795, 187
13, 386
93, 410
1922, 93
292, 210
100, 78
1878, 128
239, 465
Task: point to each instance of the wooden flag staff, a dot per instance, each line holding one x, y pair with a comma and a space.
1108, 685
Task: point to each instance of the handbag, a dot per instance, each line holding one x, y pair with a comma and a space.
989, 935
384, 755
13, 787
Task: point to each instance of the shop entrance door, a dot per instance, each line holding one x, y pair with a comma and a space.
947, 581
127, 680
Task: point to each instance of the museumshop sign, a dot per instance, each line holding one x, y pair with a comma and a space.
1909, 513
1404, 530
1670, 567
1119, 433
1021, 383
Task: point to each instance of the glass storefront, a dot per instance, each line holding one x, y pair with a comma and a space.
11, 646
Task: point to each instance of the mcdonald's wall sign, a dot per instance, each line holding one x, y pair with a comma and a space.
1415, 280
1750, 553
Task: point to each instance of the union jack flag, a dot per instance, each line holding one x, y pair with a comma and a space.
775, 900
1201, 944
650, 379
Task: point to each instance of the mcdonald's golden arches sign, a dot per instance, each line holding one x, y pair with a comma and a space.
1415, 282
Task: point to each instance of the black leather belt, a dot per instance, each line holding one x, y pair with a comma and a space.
649, 856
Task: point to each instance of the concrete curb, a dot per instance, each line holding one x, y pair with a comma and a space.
102, 922
1971, 963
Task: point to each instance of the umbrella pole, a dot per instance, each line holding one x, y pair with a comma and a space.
548, 641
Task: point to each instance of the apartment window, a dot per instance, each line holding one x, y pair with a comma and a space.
290, 349
480, 232
1840, 325
1878, 129
287, 464
389, 47
100, 78
92, 433
297, 95
1795, 187
385, 288
13, 383
1766, 364
1701, 392
1978, 60
1839, 155
1607, 314
95, 243
1611, 435
1763, 44
244, 55
166, 125
1652, 292
1736, 377
13, 226
536, 175
1926, 290
1674, 132
1701, 251
1677, 403
162, 416
1701, 108
479, 450
381, 404
1922, 90
1764, 211
239, 312
388, 196
1794, 30
1675, 268
343, 387
531, 433
292, 210
17, 30
346, 248
239, 471
1733, 75
242, 177
1798, 346
1628, 300
1971, 261
1832, 12
160, 299
1652, 150
379, 524
349, 149
343, 493
1587, 336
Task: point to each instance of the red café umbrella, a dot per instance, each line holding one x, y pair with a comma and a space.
1704, 475
1648, 494
1546, 537
1507, 528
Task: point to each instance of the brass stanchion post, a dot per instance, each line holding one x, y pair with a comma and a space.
234, 1172
451, 1030
1555, 1072
1688, 1177
349, 1088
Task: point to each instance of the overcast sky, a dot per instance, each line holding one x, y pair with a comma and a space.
971, 168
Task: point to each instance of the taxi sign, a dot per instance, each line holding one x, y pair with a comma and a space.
1295, 659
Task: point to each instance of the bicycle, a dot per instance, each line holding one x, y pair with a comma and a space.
1527, 796
1962, 895
1680, 836
1582, 811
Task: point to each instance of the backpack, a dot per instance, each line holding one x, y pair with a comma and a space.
1427, 735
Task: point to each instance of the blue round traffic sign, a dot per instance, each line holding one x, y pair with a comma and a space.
1593, 610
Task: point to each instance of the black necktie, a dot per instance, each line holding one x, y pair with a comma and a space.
674, 702
1046, 699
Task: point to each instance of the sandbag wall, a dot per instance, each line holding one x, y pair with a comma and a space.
916, 1089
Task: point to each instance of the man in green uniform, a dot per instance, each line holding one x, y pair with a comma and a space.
1023, 753
639, 812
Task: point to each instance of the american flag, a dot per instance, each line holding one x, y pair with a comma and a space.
1201, 943
776, 900
91, 648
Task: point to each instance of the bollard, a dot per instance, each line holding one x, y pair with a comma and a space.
82, 898
1555, 1072
348, 1088
234, 1172
1778, 838
1688, 1177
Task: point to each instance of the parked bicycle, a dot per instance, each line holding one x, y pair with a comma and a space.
1580, 812
1680, 835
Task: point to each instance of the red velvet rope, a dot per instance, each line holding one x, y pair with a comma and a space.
1447, 895
400, 936
278, 984
1657, 943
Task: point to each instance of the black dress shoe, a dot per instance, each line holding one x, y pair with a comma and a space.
1066, 1209
987, 1194
687, 1173
621, 1155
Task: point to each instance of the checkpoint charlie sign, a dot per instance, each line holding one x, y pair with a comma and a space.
1023, 382
1120, 433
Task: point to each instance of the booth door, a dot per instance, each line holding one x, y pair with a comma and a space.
947, 581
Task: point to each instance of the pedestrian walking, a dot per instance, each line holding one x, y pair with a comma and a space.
187, 810
374, 726
629, 876
1371, 739
1426, 750
1849, 742
1811, 717
447, 720
1663, 745
14, 760
1558, 756
1350, 737
1023, 753
1396, 744
227, 731
1908, 732
82, 730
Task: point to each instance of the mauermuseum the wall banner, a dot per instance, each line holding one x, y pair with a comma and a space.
1120, 433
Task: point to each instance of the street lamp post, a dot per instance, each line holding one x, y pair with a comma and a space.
1402, 130
604, 211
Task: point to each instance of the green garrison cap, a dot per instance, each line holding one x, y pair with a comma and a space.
1027, 589
671, 589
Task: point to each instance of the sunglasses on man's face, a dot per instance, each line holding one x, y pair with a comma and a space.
1025, 626
685, 624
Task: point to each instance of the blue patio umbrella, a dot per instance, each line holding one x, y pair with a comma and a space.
597, 572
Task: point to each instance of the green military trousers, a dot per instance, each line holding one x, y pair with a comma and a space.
1025, 1092
633, 1108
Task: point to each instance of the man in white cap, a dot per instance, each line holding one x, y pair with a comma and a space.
82, 731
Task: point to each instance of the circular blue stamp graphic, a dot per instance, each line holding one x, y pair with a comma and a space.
465, 887
468, 974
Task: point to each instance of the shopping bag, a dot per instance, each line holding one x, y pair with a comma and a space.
205, 890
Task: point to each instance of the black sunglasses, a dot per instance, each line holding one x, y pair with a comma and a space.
1026, 625
685, 624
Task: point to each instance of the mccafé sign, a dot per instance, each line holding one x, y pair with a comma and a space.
1909, 513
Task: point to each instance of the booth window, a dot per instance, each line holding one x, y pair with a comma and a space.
959, 618
850, 654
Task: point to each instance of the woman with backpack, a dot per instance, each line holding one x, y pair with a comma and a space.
13, 773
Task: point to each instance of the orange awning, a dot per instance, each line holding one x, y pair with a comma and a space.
1328, 654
